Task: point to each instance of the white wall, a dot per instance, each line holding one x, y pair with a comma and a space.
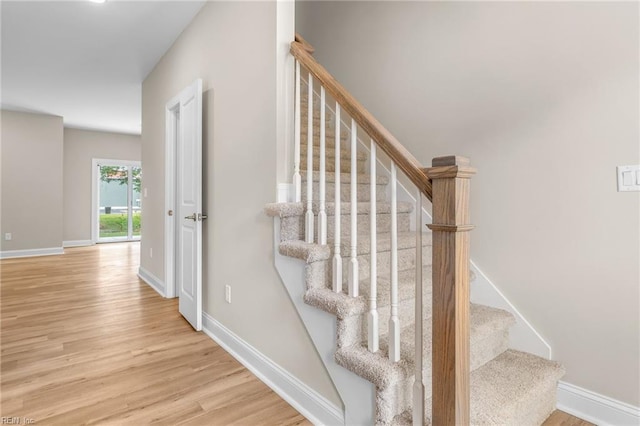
543, 97
31, 181
80, 147
232, 47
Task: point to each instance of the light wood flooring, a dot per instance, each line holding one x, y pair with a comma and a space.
84, 341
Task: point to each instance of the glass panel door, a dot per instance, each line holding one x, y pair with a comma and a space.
136, 176
119, 202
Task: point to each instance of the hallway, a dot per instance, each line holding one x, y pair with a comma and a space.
85, 341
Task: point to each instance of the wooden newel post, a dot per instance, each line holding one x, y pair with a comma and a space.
451, 178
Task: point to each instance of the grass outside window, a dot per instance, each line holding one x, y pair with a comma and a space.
115, 225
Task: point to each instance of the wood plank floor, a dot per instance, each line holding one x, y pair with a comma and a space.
84, 341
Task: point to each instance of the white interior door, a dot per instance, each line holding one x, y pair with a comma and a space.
189, 205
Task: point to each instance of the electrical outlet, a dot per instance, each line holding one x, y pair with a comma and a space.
150, 251
227, 293
7, 236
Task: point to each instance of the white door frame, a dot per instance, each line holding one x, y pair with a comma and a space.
95, 192
170, 196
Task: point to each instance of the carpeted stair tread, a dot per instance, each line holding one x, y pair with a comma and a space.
309, 252
483, 322
312, 252
507, 390
330, 165
346, 177
363, 207
342, 306
338, 304
374, 367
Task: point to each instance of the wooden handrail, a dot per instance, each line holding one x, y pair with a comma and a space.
309, 48
380, 135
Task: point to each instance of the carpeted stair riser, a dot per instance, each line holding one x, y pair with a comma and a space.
319, 273
383, 222
355, 329
330, 140
363, 192
345, 152
362, 184
330, 165
293, 227
329, 133
488, 329
406, 261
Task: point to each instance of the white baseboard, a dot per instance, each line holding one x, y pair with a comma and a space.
153, 281
8, 254
596, 408
77, 243
307, 401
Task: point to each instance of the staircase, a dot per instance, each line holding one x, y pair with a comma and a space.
506, 387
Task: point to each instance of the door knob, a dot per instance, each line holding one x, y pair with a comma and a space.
191, 216
202, 216
170, 212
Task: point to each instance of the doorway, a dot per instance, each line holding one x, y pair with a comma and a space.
183, 202
117, 201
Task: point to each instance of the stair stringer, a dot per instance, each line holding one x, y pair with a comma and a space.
357, 394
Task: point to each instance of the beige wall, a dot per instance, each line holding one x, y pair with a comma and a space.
543, 97
80, 147
232, 47
31, 181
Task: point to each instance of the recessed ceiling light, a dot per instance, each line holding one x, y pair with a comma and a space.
97, 1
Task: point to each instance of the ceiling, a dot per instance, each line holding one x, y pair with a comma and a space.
86, 61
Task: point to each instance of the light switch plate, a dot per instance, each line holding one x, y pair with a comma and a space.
628, 178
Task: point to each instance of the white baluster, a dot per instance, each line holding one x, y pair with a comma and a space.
297, 179
337, 258
372, 317
353, 261
418, 384
322, 213
308, 223
394, 321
